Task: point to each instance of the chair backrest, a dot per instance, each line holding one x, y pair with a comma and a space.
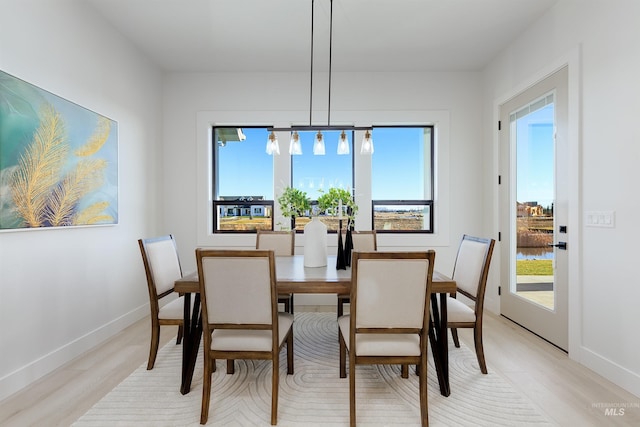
281, 242
472, 267
391, 289
237, 287
364, 241
161, 264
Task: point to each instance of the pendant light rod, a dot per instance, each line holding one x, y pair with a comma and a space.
330, 58
330, 63
311, 73
310, 128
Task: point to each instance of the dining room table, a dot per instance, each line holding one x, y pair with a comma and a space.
293, 277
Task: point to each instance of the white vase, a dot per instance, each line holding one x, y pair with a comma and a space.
315, 243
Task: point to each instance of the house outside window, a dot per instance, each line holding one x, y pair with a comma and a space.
242, 180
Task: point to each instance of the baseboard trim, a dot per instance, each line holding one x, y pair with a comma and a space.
617, 374
31, 372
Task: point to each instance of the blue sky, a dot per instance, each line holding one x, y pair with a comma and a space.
397, 163
246, 169
535, 157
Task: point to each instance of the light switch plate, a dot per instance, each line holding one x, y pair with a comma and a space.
600, 219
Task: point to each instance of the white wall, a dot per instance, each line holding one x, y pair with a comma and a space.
63, 291
603, 289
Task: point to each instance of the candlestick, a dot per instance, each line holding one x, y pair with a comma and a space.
340, 265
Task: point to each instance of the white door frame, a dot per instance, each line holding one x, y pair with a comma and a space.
574, 181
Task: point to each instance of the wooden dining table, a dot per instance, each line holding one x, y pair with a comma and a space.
293, 277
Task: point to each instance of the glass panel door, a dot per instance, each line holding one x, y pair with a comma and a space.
533, 206
532, 134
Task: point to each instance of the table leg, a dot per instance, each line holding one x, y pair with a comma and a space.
191, 340
439, 342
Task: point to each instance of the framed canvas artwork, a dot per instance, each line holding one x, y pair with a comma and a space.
58, 161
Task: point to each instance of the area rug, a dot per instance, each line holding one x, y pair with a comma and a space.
314, 395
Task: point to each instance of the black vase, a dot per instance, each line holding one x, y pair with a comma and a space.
340, 265
348, 244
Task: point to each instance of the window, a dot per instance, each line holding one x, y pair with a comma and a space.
402, 179
242, 180
315, 174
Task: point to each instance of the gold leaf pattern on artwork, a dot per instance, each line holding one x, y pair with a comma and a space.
39, 168
91, 214
97, 140
86, 177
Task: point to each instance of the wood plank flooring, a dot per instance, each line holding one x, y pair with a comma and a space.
570, 394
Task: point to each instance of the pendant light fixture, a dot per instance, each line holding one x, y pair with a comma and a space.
272, 144
295, 147
367, 143
318, 145
343, 144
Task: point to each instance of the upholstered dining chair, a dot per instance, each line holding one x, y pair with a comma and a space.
470, 273
363, 241
240, 317
162, 267
283, 244
389, 317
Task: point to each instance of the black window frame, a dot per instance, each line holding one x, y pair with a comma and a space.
217, 204
423, 202
245, 201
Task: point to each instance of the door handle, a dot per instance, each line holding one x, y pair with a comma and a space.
560, 245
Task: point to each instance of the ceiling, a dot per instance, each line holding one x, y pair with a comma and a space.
274, 35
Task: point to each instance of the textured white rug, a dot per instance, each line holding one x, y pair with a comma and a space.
314, 395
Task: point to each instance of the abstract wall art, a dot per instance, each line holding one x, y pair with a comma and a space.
58, 161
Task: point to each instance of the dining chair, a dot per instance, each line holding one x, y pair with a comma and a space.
470, 273
240, 317
389, 317
363, 241
283, 244
162, 268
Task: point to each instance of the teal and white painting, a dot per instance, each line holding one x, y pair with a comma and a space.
58, 160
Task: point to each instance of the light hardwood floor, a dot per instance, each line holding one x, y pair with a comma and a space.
570, 394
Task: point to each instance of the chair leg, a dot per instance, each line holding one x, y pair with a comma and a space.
477, 338
454, 334
290, 353
288, 304
352, 391
206, 389
424, 404
180, 334
274, 388
231, 367
340, 307
153, 349
404, 372
343, 356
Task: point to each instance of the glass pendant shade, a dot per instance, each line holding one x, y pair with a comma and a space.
343, 144
295, 148
272, 144
318, 145
367, 144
